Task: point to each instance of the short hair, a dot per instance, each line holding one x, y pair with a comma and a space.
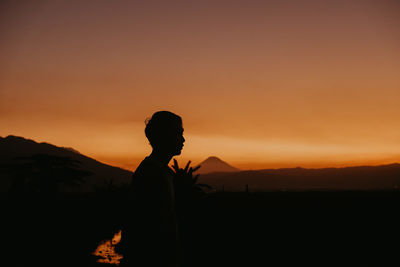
159, 124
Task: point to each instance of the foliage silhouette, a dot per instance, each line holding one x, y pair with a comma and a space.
109, 187
187, 191
44, 173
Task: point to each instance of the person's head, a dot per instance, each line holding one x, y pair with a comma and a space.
165, 132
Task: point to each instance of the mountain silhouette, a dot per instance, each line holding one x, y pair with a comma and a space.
72, 150
215, 164
12, 147
384, 177
214, 172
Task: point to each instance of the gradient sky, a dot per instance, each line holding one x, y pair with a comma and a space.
259, 84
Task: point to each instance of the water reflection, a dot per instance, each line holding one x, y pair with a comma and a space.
106, 250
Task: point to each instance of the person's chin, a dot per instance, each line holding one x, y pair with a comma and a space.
178, 151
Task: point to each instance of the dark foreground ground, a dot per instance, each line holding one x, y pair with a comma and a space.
256, 229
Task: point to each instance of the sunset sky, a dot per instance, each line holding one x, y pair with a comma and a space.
259, 84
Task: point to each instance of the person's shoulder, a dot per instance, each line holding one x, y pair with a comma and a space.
148, 173
147, 167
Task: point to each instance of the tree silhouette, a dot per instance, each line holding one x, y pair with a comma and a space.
110, 187
44, 173
187, 190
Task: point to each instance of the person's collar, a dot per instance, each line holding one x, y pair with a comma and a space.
159, 163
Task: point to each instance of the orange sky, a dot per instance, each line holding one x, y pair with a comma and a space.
257, 83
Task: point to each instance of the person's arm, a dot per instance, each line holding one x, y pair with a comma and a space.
157, 214
155, 200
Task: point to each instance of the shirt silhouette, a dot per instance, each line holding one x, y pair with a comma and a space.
151, 231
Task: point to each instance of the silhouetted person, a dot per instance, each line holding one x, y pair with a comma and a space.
151, 234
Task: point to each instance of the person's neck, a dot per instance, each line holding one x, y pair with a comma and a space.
162, 157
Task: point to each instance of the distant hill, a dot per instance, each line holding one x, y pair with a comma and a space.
214, 172
14, 146
384, 177
214, 164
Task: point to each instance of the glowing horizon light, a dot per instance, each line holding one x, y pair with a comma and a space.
286, 85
